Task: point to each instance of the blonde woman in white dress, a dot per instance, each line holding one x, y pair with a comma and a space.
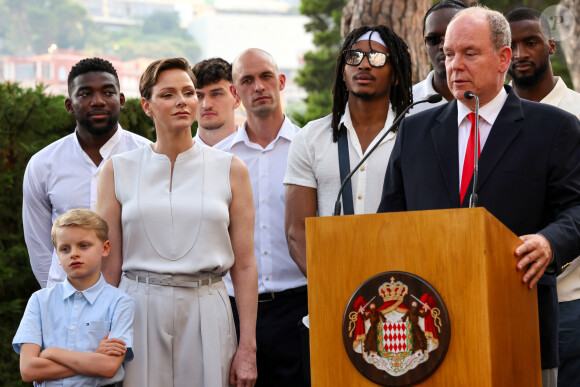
180, 216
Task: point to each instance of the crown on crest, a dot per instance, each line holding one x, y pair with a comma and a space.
393, 291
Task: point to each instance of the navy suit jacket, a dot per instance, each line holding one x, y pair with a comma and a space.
529, 178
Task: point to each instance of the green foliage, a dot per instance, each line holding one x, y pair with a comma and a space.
560, 67
160, 36
38, 24
29, 121
157, 46
31, 27
134, 119
162, 23
317, 75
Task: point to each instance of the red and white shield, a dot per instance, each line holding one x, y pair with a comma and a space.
394, 336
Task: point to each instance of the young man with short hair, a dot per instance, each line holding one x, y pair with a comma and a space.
217, 104
64, 175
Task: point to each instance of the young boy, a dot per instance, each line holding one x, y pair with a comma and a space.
64, 333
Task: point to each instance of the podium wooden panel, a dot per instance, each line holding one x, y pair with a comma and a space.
466, 254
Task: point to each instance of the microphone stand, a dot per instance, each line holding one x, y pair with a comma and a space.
473, 197
433, 98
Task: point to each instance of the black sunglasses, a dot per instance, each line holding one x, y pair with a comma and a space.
434, 40
375, 58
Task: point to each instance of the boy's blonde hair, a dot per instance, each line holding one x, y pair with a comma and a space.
82, 218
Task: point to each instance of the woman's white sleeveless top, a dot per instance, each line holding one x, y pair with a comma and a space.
178, 227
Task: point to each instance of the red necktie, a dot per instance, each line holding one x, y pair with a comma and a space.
469, 158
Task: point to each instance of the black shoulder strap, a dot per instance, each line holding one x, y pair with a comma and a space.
344, 165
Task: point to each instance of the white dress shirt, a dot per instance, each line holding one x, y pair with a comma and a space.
59, 178
223, 144
66, 318
277, 271
487, 116
564, 98
421, 91
313, 162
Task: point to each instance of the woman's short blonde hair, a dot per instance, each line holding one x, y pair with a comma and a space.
151, 74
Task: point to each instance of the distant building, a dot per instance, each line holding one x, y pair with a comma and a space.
129, 12
222, 28
52, 70
229, 27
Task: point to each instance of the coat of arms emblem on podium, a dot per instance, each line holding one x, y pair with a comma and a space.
392, 327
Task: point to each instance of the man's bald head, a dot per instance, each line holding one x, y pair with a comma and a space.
249, 55
257, 82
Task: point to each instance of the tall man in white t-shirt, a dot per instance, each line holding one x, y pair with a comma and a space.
64, 175
262, 143
533, 79
216, 108
372, 86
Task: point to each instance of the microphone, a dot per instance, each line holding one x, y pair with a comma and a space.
432, 98
473, 198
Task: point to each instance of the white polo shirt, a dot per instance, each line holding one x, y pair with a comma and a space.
313, 162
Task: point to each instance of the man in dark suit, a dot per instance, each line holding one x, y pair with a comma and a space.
529, 174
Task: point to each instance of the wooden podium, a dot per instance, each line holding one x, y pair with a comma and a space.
465, 254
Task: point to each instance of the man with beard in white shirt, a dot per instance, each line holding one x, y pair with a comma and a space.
533, 79
64, 175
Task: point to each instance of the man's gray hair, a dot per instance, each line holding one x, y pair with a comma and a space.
499, 28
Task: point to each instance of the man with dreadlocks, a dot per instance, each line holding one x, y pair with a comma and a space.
64, 175
372, 86
434, 27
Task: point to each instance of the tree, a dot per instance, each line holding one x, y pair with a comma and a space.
159, 36
571, 45
317, 75
30, 27
163, 23
403, 17
29, 120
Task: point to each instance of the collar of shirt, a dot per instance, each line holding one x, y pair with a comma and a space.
107, 148
487, 114
287, 131
555, 96
352, 136
89, 294
196, 138
427, 88
220, 144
